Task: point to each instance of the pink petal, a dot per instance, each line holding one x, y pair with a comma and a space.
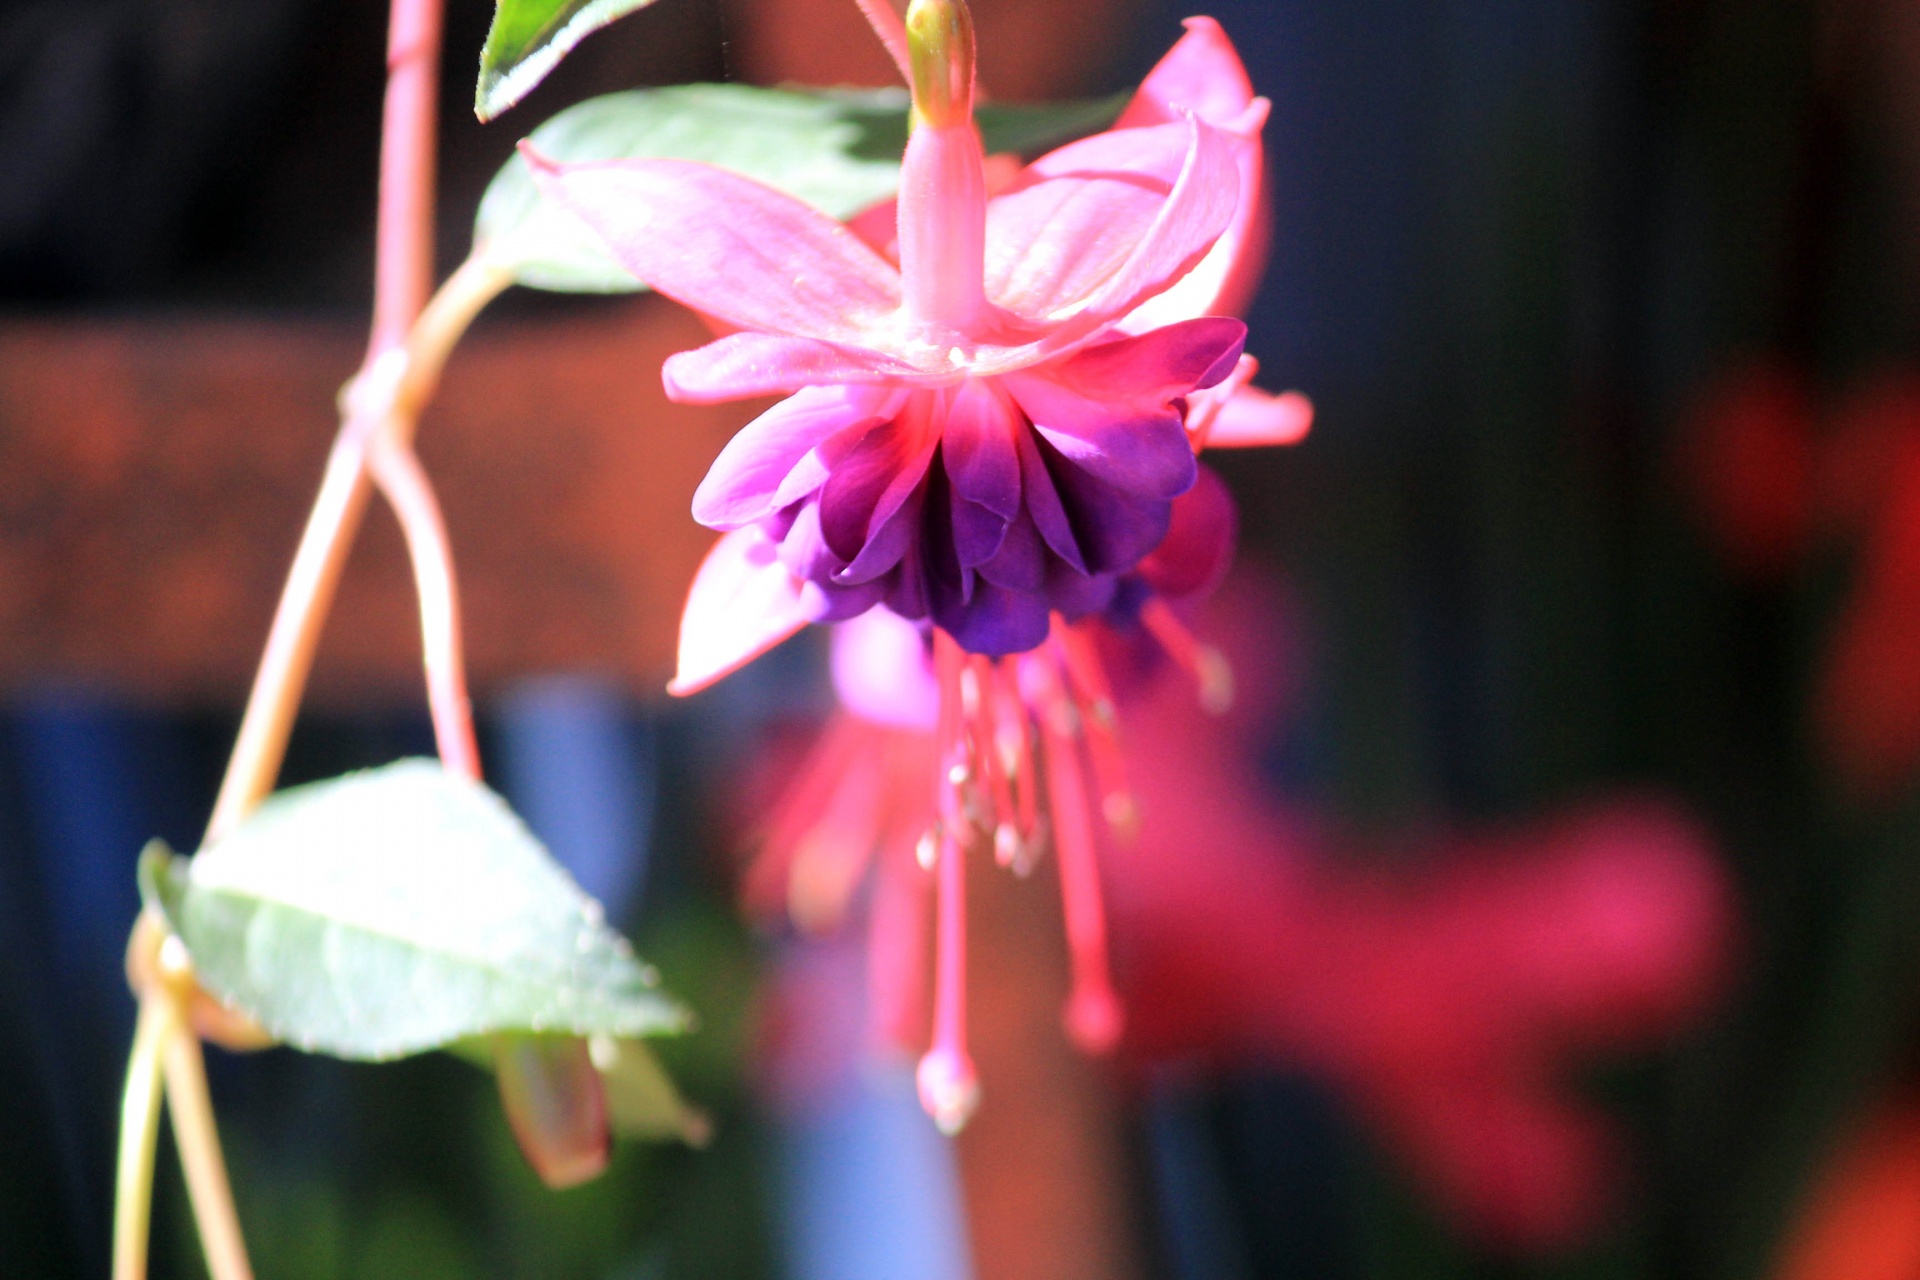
1226, 279
1156, 367
1099, 230
728, 246
883, 673
1076, 214
1194, 557
743, 602
754, 476
743, 365
1201, 73
1252, 417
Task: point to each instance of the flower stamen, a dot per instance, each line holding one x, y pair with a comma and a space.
1205, 663
1093, 1014
1094, 698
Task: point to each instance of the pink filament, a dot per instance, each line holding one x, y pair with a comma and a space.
949, 1086
1095, 702
1012, 717
1203, 662
1093, 1015
985, 727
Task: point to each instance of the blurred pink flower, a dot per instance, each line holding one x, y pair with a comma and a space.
1774, 480
1450, 1002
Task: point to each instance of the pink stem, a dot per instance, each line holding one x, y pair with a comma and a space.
403, 246
892, 32
288, 657
402, 269
397, 470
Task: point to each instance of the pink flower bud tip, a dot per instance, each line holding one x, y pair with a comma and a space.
940, 47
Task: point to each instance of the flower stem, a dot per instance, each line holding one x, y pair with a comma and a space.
404, 483
139, 1135
198, 1139
384, 400
407, 349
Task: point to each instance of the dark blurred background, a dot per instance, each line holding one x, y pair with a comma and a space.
1607, 310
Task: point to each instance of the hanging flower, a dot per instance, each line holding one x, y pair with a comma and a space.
989, 425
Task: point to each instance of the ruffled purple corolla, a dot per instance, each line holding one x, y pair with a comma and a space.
987, 505
993, 430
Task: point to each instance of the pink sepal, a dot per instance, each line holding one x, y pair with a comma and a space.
1202, 73
743, 603
1251, 418
728, 246
743, 365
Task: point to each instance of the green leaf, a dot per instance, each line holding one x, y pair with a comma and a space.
1027, 129
838, 151
528, 38
398, 910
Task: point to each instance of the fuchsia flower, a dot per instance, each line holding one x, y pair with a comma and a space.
989, 424
993, 430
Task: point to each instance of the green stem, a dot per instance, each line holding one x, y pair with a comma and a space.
139, 1135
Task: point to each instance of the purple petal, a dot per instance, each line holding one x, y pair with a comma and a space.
906, 586
1043, 503
1198, 550
977, 446
804, 552
977, 533
875, 477
1078, 594
1133, 445
1021, 562
994, 621
887, 544
1112, 526
749, 480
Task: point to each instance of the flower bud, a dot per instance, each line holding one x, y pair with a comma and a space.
940, 44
